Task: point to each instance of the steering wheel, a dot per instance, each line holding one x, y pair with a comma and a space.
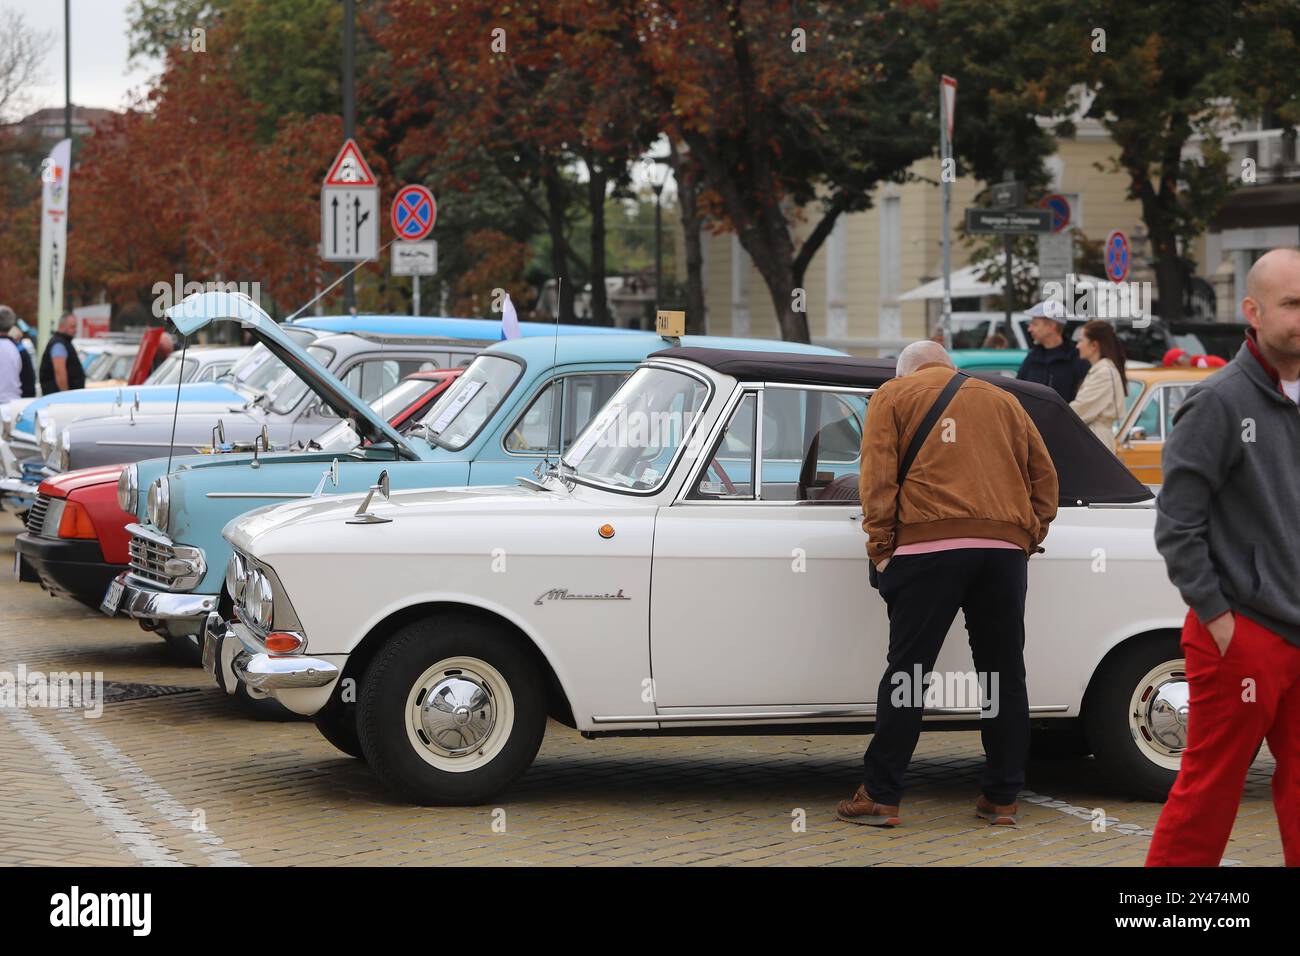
721, 473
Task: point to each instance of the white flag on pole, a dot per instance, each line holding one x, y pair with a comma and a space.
509, 319
56, 172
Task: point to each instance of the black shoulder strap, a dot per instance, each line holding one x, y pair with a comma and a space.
927, 423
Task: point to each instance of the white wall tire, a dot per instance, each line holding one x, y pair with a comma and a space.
1135, 715
451, 710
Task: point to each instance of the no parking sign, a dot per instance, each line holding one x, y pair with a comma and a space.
414, 213
1117, 256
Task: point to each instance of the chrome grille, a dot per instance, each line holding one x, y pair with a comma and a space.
36, 516
149, 558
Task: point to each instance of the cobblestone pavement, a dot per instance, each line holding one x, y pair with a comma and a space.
187, 779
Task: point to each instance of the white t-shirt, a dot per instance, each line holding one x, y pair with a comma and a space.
1292, 389
11, 370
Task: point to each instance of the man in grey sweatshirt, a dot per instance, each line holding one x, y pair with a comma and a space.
1228, 526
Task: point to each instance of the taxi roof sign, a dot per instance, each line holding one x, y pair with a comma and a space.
670, 324
350, 168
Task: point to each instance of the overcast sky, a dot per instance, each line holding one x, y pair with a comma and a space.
100, 75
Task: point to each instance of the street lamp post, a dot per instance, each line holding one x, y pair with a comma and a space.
658, 187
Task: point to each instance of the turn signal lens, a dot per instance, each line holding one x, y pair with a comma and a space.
76, 522
281, 642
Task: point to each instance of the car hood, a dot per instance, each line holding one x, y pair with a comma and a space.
202, 309
60, 486
320, 519
100, 397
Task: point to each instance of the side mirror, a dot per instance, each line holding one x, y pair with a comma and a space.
218, 435
331, 475
363, 514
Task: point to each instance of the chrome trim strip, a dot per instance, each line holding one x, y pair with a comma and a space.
258, 494
778, 715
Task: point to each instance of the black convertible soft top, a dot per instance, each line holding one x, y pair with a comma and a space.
1087, 471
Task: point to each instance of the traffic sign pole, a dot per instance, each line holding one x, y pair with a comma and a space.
947, 107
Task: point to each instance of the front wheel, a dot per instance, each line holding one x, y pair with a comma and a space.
452, 711
1135, 715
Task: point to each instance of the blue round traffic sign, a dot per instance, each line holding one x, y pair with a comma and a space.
1117, 256
1060, 209
414, 213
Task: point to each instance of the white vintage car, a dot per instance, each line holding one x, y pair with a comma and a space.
658, 579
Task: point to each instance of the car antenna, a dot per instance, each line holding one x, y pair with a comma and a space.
176, 407
556, 382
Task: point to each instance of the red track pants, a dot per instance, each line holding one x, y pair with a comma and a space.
1239, 698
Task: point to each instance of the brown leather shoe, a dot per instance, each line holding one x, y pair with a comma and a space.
862, 809
998, 815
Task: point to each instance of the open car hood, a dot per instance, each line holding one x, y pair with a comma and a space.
198, 311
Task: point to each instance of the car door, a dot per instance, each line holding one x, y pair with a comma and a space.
760, 599
1142, 443
550, 418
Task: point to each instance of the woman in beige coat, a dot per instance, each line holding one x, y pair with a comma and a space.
1100, 399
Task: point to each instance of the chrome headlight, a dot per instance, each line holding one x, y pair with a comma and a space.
65, 451
47, 440
258, 602
158, 503
128, 489
236, 577
6, 423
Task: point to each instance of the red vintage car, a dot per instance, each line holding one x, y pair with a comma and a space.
76, 538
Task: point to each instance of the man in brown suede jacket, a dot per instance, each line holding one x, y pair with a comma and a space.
957, 533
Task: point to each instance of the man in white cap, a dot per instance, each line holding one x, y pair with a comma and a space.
1052, 361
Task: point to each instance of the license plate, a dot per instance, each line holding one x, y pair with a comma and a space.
211, 651
112, 598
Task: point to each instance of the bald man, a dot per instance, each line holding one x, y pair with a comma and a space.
1226, 523
942, 543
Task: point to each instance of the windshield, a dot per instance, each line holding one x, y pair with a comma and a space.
170, 370
98, 368
462, 410
343, 437
287, 389
632, 442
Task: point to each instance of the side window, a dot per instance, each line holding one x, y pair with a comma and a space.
544, 427
1134, 393
1174, 396
1148, 419
811, 442
729, 473
372, 377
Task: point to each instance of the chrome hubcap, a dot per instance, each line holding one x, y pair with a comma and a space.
456, 713
1160, 708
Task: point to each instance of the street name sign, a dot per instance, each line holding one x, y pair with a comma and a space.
1008, 222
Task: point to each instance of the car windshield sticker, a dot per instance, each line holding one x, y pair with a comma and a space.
454, 407
594, 433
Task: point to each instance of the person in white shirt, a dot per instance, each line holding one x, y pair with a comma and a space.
1100, 400
11, 361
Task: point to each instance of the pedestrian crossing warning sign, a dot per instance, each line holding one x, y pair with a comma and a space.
350, 168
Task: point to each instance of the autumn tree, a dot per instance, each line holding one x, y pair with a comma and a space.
1167, 81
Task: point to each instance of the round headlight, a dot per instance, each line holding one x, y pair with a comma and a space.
258, 602
128, 489
236, 577
157, 503
47, 440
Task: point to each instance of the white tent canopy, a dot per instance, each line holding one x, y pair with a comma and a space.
967, 284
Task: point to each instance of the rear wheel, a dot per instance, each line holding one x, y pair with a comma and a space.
1135, 715
452, 710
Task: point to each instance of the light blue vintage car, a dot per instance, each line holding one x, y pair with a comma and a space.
517, 405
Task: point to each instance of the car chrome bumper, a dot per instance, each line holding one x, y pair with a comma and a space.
142, 602
267, 672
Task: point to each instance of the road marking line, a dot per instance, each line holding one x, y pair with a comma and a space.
1083, 813
167, 806
116, 818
